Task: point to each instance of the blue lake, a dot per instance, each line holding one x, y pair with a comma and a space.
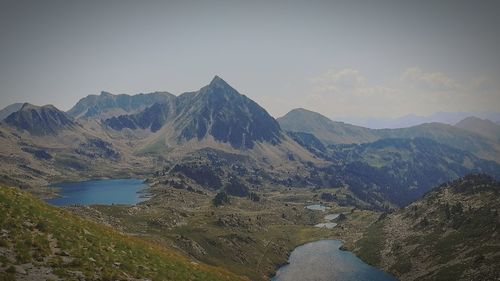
324, 261
103, 192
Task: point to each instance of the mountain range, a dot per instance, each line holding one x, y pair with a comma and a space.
229, 184
106, 133
410, 120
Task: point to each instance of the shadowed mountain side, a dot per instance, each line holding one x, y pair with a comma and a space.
107, 105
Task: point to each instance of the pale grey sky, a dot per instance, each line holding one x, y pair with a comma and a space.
340, 58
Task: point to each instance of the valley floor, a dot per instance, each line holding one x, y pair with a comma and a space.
249, 238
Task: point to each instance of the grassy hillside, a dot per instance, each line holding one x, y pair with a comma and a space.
453, 233
42, 242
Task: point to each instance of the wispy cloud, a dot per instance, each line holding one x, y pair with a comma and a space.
348, 92
431, 81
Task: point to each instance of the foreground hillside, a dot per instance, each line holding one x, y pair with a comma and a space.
41, 242
453, 233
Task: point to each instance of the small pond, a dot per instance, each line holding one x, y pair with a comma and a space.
328, 225
317, 207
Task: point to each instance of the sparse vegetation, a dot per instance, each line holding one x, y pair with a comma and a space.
44, 236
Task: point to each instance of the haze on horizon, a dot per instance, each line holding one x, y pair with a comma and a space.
340, 58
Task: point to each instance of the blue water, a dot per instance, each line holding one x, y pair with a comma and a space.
324, 261
103, 192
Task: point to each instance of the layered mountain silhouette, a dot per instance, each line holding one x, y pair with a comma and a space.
330, 132
303, 148
216, 110
39, 120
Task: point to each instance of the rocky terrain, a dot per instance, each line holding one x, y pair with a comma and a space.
452, 233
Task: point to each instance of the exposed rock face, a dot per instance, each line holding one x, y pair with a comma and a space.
220, 111
216, 110
106, 104
152, 118
39, 120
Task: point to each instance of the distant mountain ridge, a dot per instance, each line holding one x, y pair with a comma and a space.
106, 104
331, 132
328, 131
410, 120
480, 126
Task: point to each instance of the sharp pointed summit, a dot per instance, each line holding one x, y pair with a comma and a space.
216, 110
218, 81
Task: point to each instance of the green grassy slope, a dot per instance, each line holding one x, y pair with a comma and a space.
44, 242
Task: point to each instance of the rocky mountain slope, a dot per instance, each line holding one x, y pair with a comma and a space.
216, 110
452, 233
41, 144
41, 242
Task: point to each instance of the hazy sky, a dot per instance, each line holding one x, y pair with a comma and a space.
340, 58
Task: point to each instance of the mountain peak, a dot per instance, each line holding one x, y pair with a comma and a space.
218, 82
39, 120
29, 106
106, 94
484, 127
